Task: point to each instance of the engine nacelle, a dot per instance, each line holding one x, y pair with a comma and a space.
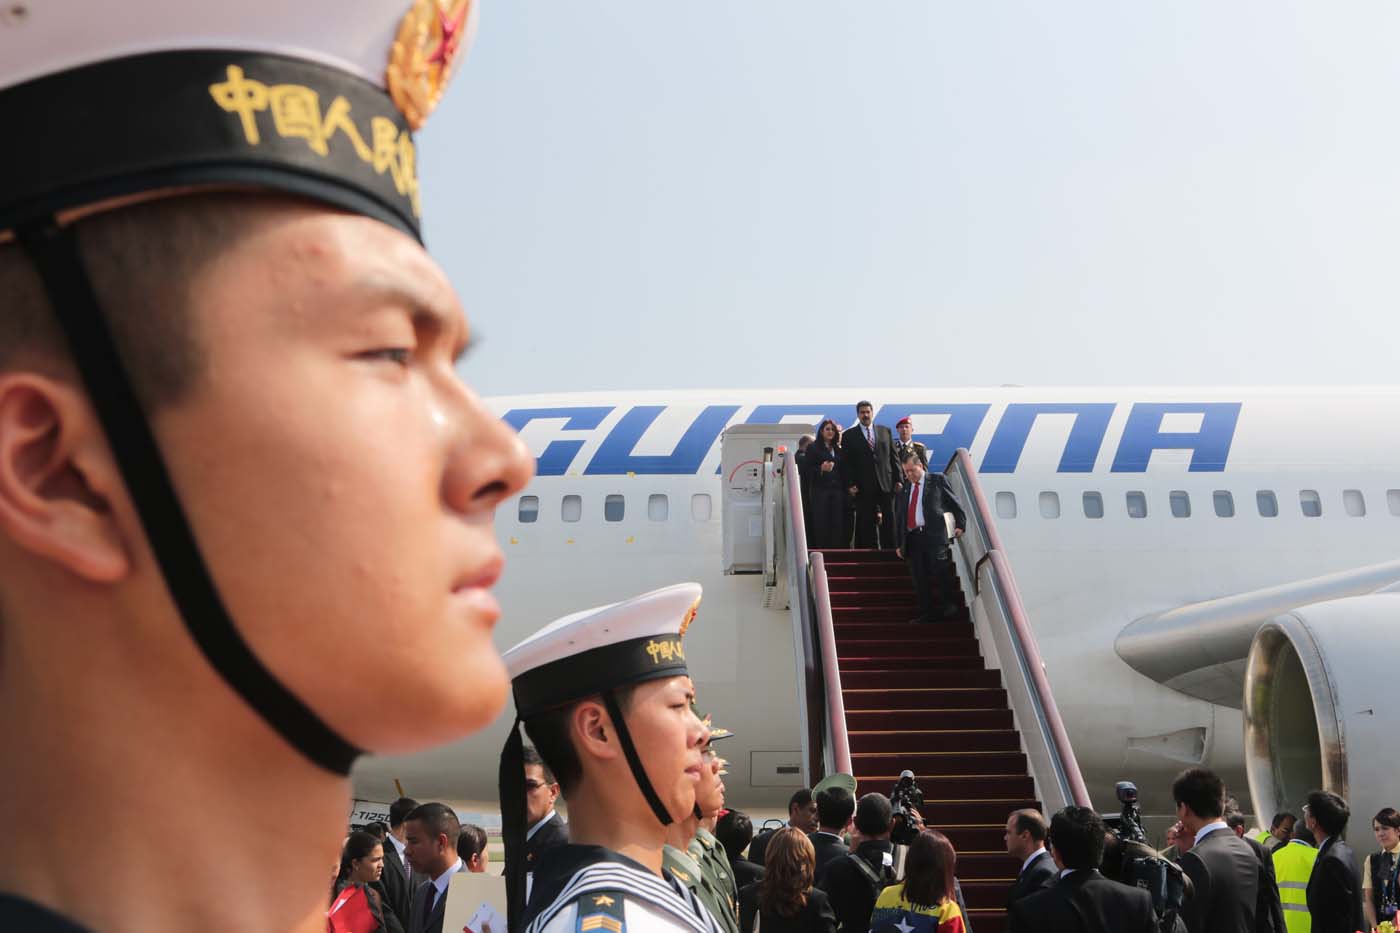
1320, 703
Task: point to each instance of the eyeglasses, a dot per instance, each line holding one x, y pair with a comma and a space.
531, 786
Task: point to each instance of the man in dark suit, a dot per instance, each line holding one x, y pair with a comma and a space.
734, 830
1224, 870
835, 806
1269, 914
921, 538
547, 829
870, 471
1025, 841
904, 440
1334, 889
432, 830
802, 814
398, 880
1083, 900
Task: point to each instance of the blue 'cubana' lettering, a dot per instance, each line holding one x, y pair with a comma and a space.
559, 454
615, 457
1210, 446
1081, 449
1142, 434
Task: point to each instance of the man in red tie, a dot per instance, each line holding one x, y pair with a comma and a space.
921, 538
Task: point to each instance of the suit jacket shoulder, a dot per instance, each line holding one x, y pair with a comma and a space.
1087, 901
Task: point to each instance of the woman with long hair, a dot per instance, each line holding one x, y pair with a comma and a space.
924, 899
822, 463
356, 904
785, 901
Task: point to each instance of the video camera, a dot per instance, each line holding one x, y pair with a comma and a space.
1141, 866
905, 802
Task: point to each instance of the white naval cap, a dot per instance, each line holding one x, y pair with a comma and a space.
110, 100
588, 652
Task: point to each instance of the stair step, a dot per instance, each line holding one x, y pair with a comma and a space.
987, 867
984, 840
983, 895
870, 597
990, 920
861, 555
944, 814
914, 662
925, 699
875, 680
958, 789
978, 740
880, 720
943, 764
903, 631
896, 648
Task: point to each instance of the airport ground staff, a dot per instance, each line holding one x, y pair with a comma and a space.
240, 478
1293, 865
606, 700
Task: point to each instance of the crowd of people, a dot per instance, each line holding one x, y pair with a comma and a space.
833, 867
867, 488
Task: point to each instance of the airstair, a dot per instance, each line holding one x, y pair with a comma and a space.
964, 704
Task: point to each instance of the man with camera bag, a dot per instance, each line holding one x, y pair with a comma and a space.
853, 883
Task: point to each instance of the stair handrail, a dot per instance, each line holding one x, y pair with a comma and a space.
1026, 650
811, 667
839, 739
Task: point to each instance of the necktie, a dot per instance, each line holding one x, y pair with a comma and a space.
869, 439
913, 501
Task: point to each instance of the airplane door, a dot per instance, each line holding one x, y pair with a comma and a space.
742, 449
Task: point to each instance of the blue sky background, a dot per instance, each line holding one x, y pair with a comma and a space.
767, 193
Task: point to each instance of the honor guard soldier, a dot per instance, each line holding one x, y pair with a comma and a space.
705, 847
239, 476
690, 858
606, 700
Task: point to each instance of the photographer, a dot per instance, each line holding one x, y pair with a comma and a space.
855, 881
1083, 899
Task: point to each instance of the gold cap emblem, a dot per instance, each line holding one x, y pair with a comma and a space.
424, 54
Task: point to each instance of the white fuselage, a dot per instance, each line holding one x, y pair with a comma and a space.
1046, 458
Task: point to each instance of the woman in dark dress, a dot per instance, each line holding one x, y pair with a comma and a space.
785, 901
823, 465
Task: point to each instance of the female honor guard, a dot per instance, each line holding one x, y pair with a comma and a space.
240, 478
606, 700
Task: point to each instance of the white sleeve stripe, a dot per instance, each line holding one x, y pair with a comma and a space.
612, 877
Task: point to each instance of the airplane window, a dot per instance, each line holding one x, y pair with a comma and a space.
1137, 505
1224, 503
658, 507
1049, 505
572, 509
614, 507
1392, 500
700, 507
529, 509
1355, 502
1311, 503
1093, 505
1268, 503
1181, 503
1006, 505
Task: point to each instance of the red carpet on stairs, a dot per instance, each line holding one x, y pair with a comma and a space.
920, 697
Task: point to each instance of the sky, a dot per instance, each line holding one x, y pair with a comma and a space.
633, 194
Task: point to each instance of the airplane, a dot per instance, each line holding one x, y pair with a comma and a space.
1152, 531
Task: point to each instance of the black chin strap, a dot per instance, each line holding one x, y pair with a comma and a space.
54, 252
634, 761
511, 785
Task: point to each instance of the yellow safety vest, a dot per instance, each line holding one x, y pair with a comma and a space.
1293, 865
1262, 836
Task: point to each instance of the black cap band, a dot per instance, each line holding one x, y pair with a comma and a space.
205, 118
54, 252
597, 670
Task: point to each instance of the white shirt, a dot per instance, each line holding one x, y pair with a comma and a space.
1209, 828
536, 828
1031, 858
1066, 872
399, 847
443, 880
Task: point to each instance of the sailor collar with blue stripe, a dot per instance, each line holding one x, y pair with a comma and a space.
570, 872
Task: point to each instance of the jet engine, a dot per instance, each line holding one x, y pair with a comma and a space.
1321, 694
